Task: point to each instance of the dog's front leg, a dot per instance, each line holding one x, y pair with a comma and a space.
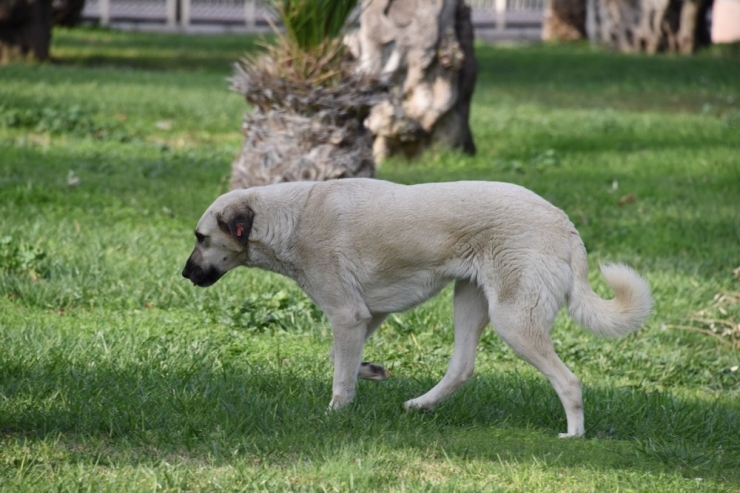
369, 370
349, 337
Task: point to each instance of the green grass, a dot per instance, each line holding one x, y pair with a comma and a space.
117, 375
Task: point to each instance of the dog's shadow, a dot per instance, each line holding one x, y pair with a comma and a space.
259, 410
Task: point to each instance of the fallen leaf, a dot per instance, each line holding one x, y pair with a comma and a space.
628, 199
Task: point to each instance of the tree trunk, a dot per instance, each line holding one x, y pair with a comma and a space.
424, 50
649, 26
67, 12
565, 20
300, 130
25, 29
281, 146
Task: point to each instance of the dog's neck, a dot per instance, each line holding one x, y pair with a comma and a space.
271, 243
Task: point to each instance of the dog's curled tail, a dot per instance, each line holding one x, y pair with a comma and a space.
623, 314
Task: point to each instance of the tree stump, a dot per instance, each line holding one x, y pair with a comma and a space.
408, 87
424, 50
300, 131
282, 146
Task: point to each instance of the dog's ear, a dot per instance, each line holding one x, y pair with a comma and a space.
237, 222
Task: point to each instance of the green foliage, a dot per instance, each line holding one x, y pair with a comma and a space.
117, 375
284, 68
59, 120
309, 23
309, 54
21, 258
281, 310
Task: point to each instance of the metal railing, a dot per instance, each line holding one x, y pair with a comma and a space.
496, 15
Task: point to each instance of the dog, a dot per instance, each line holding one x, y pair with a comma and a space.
362, 249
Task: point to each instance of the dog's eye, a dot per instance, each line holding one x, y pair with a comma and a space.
199, 237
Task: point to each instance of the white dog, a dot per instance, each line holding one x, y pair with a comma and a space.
363, 248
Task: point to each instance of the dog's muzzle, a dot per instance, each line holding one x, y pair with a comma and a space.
199, 276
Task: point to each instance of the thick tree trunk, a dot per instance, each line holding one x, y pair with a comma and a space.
25, 29
302, 131
565, 20
649, 26
281, 146
424, 50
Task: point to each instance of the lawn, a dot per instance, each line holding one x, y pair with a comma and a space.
117, 375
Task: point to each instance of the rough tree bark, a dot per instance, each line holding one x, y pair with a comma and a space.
25, 29
424, 50
282, 146
649, 26
300, 131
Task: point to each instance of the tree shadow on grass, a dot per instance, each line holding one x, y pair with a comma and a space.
207, 413
150, 51
584, 77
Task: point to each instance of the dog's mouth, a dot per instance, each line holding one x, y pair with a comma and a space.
201, 277
203, 284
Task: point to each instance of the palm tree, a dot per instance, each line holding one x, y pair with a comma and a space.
319, 114
308, 104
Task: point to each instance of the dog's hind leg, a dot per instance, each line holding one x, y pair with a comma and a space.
368, 370
525, 326
471, 316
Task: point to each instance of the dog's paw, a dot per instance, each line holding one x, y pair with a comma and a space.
338, 402
417, 405
371, 371
569, 435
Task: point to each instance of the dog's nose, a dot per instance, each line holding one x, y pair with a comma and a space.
186, 272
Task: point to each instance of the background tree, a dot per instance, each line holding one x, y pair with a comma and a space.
424, 49
649, 26
25, 26
67, 13
25, 29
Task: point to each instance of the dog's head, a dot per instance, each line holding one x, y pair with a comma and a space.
220, 239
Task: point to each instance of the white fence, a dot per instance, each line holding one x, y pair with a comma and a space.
503, 14
488, 15
184, 13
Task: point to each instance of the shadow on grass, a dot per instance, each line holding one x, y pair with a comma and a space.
204, 413
93, 47
585, 76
